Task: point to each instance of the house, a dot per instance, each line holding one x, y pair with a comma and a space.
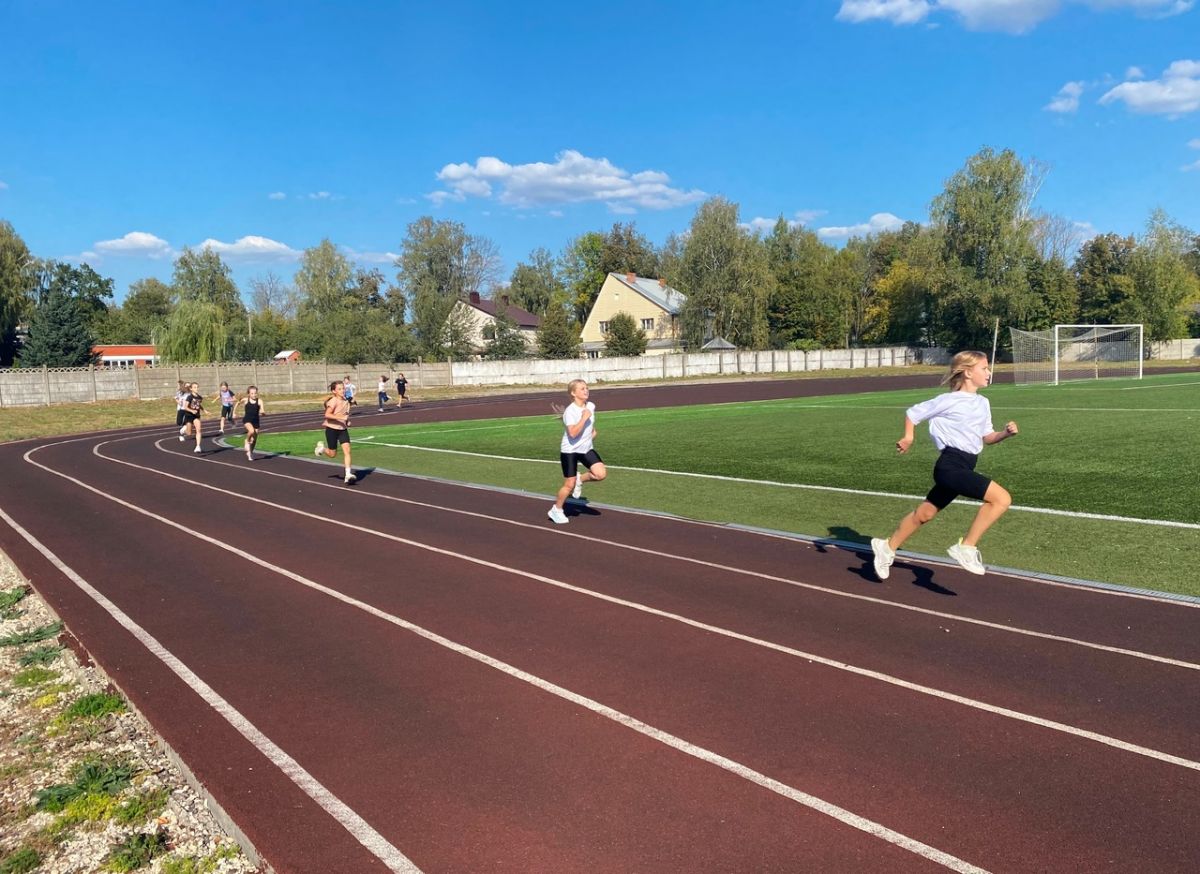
287, 356
482, 315
652, 303
125, 355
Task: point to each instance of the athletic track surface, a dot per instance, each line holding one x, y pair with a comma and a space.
441, 680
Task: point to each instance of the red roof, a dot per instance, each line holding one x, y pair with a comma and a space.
125, 349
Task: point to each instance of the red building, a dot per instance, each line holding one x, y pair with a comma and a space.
125, 355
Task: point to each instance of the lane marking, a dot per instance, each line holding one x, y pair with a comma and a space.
1191, 526
542, 529
362, 832
812, 802
1163, 385
993, 709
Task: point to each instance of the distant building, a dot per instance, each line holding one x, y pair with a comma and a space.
653, 304
125, 355
482, 314
287, 356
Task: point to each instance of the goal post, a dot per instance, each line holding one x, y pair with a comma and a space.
1070, 352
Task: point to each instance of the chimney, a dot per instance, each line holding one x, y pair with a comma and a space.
662, 283
475, 298
631, 278
504, 299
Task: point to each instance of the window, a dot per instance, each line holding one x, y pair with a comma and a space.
604, 327
647, 324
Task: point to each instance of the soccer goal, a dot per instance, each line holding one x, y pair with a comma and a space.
1076, 352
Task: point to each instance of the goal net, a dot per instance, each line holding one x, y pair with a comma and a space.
1076, 352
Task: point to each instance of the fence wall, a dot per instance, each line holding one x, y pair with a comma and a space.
1175, 350
32, 387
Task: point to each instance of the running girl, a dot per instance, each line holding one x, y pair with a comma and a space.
960, 423
193, 410
401, 390
579, 430
382, 388
227, 399
253, 408
337, 427
181, 408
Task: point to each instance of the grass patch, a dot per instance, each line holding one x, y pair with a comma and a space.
136, 851
35, 676
89, 807
141, 807
95, 777
20, 861
93, 706
33, 635
43, 655
12, 597
198, 864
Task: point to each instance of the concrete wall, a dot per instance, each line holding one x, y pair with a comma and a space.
1174, 350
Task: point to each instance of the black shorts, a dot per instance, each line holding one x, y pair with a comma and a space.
227, 413
572, 460
251, 420
954, 475
189, 417
336, 436
179, 418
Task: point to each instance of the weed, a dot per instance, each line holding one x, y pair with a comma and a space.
11, 613
94, 706
90, 807
198, 865
12, 597
31, 677
136, 851
34, 635
19, 862
88, 777
141, 807
43, 655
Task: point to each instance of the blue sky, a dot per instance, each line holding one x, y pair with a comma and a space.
130, 130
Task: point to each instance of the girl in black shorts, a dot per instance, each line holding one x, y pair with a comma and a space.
253, 408
960, 423
575, 448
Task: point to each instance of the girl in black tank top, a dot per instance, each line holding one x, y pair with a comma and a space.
254, 408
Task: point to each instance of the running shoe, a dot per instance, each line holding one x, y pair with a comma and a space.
557, 516
968, 557
196, 450
249, 454
578, 489
319, 452
884, 556
181, 437
350, 478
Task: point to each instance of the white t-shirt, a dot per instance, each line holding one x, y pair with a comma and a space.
571, 416
383, 386
960, 419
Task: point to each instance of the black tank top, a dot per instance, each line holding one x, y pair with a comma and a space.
251, 411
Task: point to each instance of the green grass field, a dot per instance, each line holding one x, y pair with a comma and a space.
1113, 447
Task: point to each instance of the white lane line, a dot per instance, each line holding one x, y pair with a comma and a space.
1162, 385
1006, 712
812, 802
370, 839
1193, 526
855, 596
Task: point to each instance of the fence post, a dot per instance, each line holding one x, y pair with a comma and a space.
92, 371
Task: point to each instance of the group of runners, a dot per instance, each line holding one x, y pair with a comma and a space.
960, 425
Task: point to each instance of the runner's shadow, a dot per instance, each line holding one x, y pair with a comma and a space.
865, 570
579, 507
924, 580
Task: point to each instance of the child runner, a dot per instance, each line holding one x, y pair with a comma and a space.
227, 399
254, 408
181, 409
960, 423
383, 398
348, 390
579, 430
193, 410
337, 427
401, 388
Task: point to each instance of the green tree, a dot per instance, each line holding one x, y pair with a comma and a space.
203, 277
534, 286
1053, 285
623, 336
324, 279
143, 314
556, 338
726, 276
18, 279
1104, 277
196, 333
1163, 281
455, 339
504, 339
812, 289
60, 333
589, 258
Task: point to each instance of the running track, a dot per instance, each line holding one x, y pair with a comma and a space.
444, 681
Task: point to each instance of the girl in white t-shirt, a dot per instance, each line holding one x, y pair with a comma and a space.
575, 449
960, 423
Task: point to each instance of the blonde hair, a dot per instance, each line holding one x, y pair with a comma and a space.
958, 366
573, 384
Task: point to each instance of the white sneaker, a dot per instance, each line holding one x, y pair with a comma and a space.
183, 429
578, 489
197, 449
249, 454
557, 516
181, 438
968, 557
884, 556
350, 478
319, 452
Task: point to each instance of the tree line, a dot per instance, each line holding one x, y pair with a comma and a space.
985, 252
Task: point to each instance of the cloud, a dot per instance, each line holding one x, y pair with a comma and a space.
1009, 16
276, 195
1175, 93
1067, 98
134, 244
880, 221
1135, 73
369, 257
762, 225
1187, 168
322, 195
1194, 144
572, 178
252, 249
406, 201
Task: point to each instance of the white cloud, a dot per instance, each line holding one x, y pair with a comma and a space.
572, 178
1135, 73
276, 195
1067, 98
881, 221
406, 201
1010, 16
1187, 168
762, 225
1194, 144
1175, 93
555, 213
320, 195
370, 257
252, 248
136, 244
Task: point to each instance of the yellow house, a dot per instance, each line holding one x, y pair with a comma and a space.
652, 303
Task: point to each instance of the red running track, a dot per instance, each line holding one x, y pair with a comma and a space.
413, 675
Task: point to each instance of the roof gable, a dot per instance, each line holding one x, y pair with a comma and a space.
662, 296
522, 317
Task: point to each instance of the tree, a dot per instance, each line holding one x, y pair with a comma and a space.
1163, 281
455, 339
323, 280
588, 259
143, 314
1104, 277
623, 336
804, 303
556, 338
202, 276
270, 294
60, 333
504, 339
726, 276
196, 333
18, 278
536, 285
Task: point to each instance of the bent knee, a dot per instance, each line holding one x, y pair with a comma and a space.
598, 472
998, 496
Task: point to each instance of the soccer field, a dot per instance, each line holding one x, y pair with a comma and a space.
827, 467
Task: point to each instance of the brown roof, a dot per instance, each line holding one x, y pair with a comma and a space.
523, 318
